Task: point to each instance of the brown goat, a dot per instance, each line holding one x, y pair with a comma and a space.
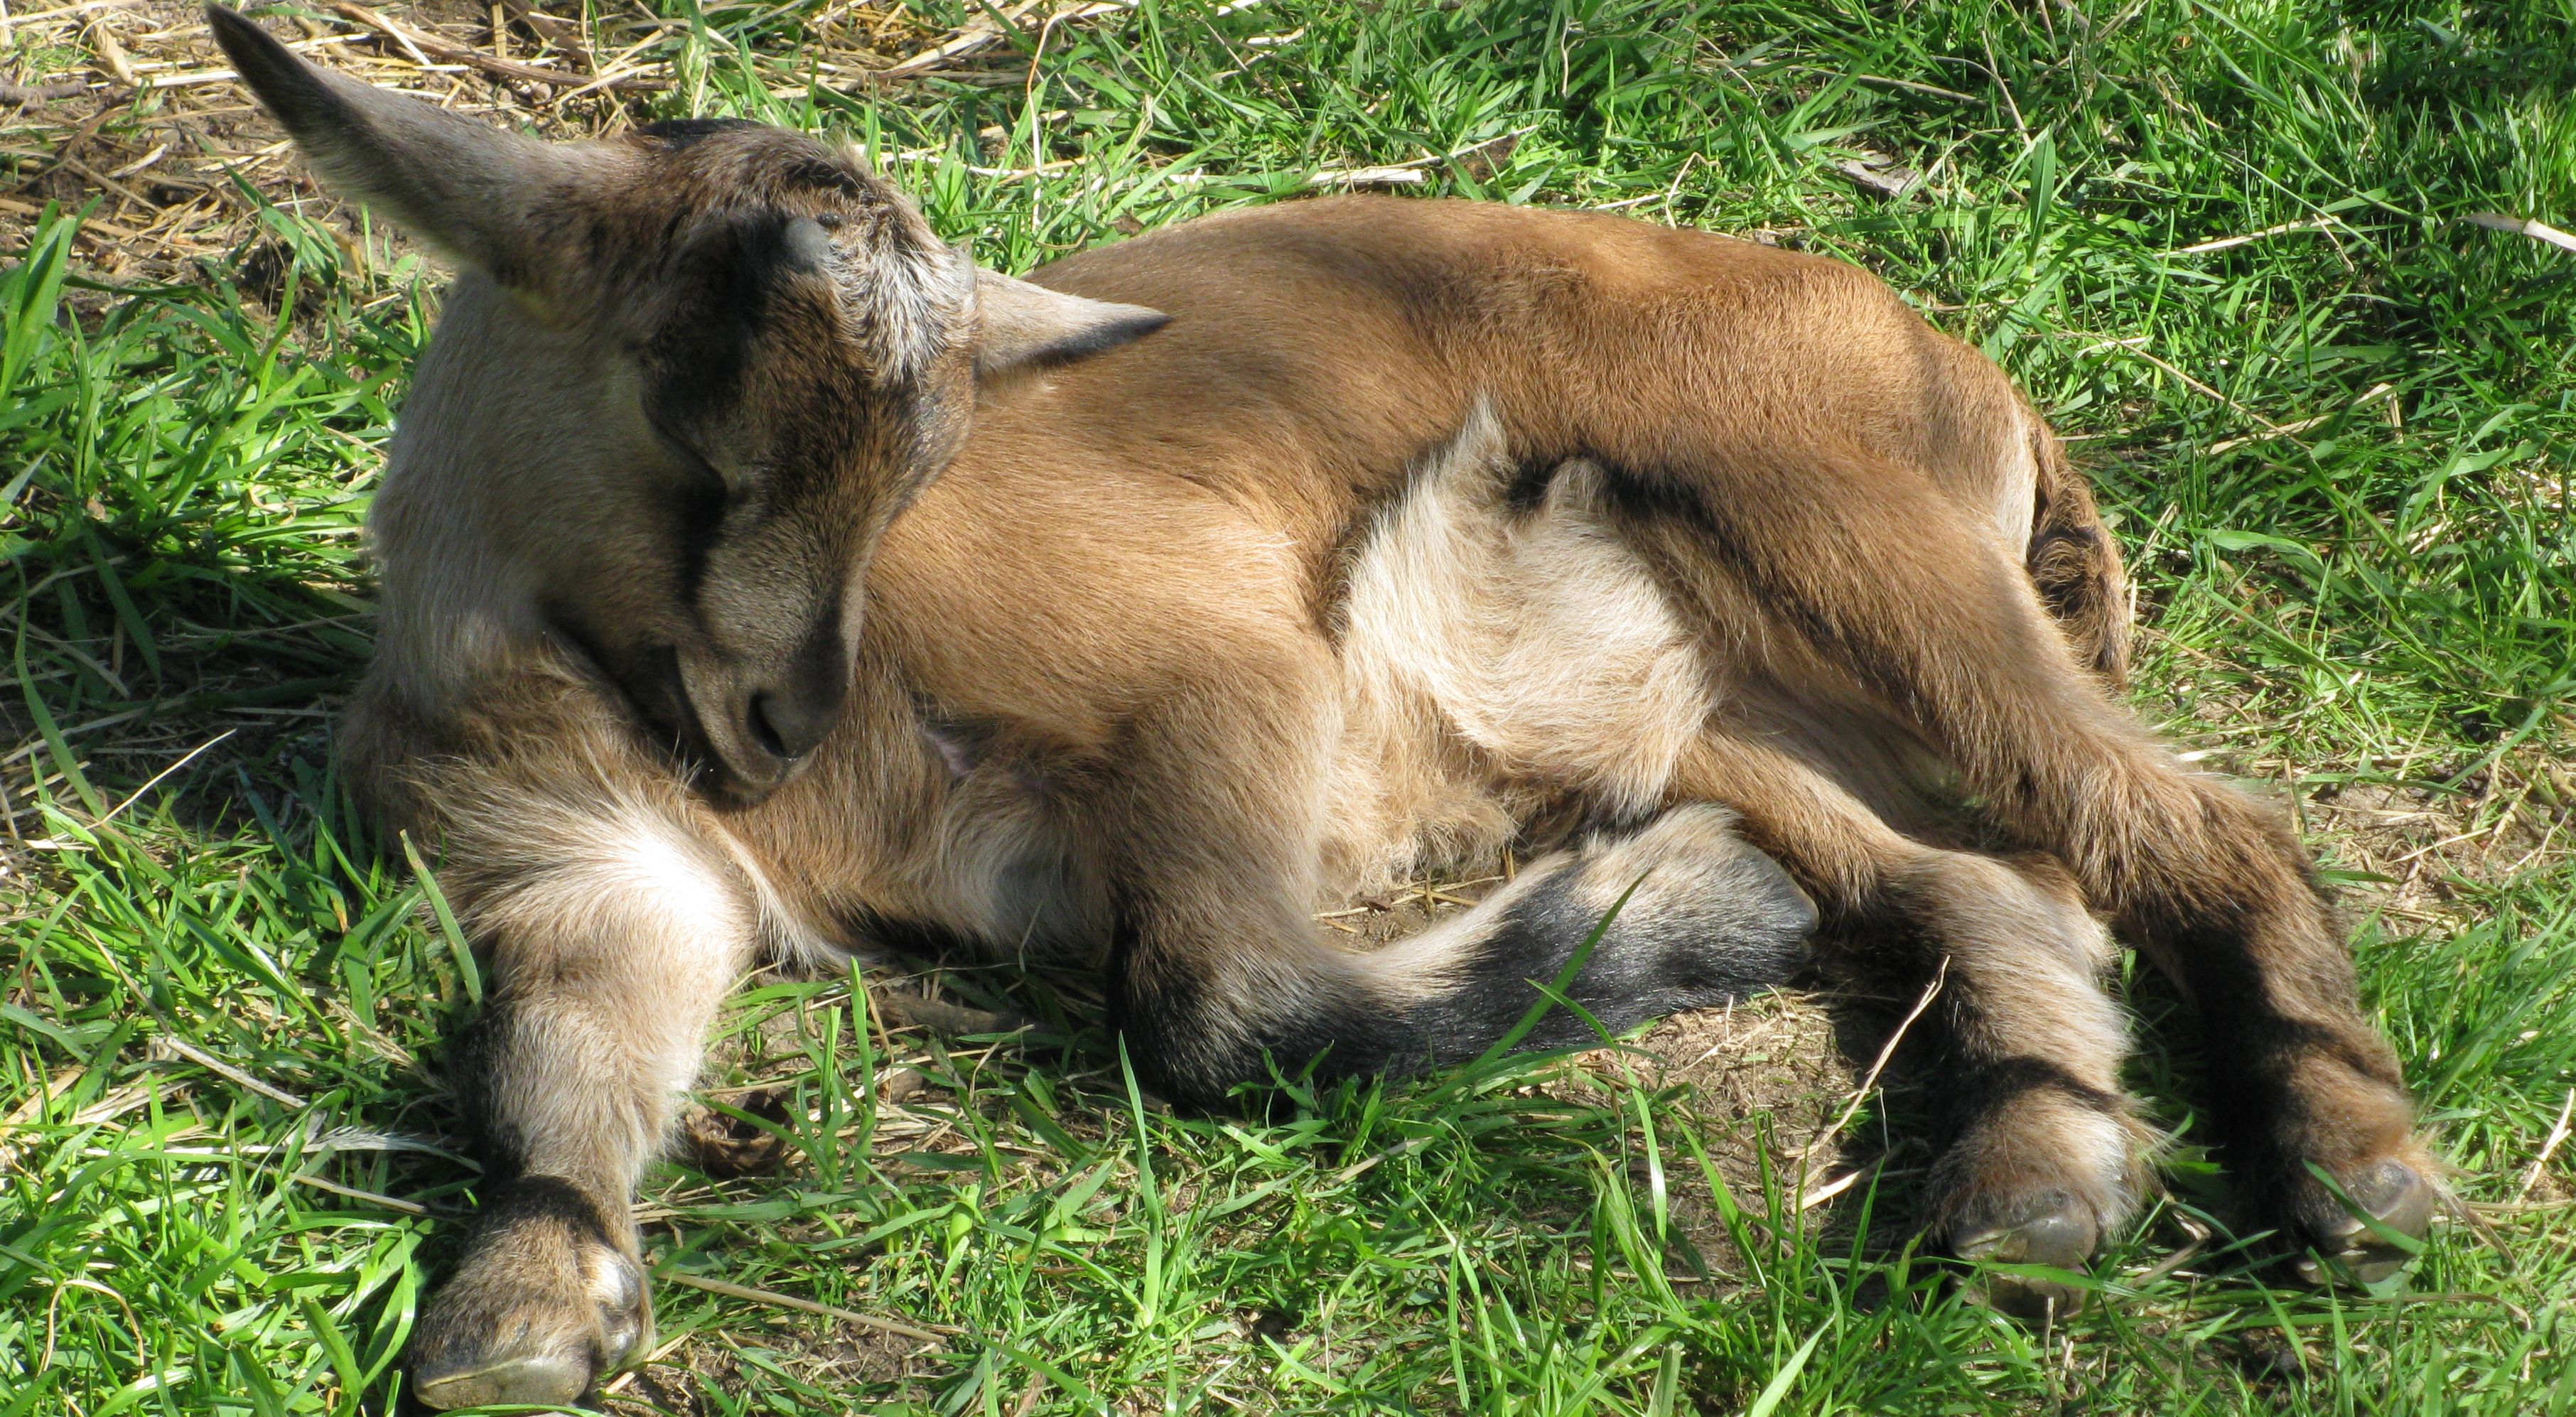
759, 576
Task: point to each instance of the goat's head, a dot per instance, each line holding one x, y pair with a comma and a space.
708, 364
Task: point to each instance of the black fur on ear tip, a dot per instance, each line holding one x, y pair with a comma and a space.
1107, 336
1146, 323
285, 85
238, 35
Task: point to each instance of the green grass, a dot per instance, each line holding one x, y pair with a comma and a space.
2339, 455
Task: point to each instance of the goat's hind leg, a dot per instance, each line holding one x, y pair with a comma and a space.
1695, 917
2043, 1154
2020, 1048
614, 933
1688, 916
1885, 579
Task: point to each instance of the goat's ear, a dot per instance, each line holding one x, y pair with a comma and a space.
1020, 327
463, 186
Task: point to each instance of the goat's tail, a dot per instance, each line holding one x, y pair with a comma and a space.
2076, 564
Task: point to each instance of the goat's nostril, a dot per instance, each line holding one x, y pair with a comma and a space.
786, 725
762, 721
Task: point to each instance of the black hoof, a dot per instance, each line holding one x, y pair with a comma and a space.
2345, 1247
2048, 1229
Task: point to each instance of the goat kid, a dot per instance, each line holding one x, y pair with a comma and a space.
759, 576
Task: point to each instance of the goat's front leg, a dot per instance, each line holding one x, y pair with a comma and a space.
614, 931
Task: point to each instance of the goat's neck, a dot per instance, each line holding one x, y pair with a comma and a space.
513, 445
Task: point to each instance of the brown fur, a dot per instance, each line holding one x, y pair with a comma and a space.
1422, 530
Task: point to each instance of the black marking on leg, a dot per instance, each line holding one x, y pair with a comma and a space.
473, 1070
1997, 1082
550, 1200
1648, 963
1736, 929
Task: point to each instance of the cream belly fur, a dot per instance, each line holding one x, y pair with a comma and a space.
1495, 659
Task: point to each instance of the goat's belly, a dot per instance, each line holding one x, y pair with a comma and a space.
1500, 660
1004, 868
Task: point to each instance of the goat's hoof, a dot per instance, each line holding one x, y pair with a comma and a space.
2046, 1229
540, 1378
2343, 1246
542, 1306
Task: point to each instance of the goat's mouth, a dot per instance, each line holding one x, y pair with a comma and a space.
724, 744
654, 691
658, 693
